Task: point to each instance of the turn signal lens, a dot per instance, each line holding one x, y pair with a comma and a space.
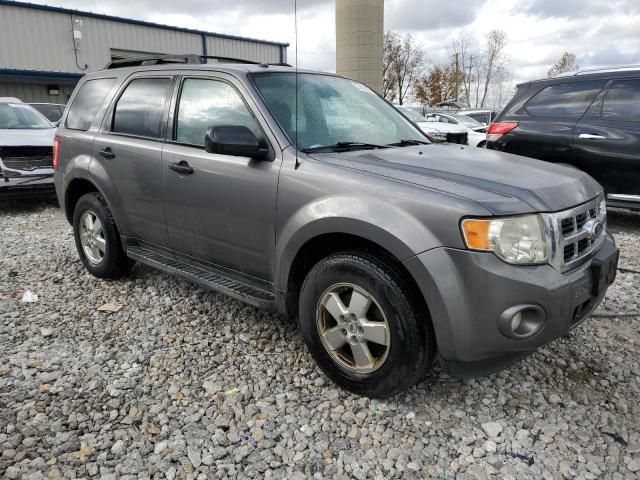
476, 234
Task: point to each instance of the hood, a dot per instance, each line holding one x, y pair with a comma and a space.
441, 127
28, 137
504, 184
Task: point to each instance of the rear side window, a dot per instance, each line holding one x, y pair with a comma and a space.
566, 100
87, 102
622, 102
140, 110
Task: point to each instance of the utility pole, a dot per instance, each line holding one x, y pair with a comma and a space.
457, 77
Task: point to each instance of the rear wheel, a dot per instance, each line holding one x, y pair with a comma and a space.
363, 326
97, 238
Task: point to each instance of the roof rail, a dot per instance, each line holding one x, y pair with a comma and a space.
586, 71
190, 58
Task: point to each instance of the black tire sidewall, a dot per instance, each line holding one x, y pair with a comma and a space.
113, 264
409, 350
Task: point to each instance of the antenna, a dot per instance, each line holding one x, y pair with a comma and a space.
295, 24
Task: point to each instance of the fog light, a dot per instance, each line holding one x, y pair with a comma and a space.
522, 321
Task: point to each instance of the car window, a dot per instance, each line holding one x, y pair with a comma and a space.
209, 103
622, 102
51, 111
87, 102
140, 109
568, 100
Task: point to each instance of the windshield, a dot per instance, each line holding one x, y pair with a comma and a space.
468, 121
14, 116
332, 111
412, 115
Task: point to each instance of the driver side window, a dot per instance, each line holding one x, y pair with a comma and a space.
209, 103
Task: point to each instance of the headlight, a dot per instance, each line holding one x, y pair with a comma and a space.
518, 240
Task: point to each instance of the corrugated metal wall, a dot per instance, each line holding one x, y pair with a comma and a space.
254, 51
34, 93
33, 39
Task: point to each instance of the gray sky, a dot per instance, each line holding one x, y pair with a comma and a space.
599, 32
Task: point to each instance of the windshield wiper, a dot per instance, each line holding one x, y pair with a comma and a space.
347, 146
407, 143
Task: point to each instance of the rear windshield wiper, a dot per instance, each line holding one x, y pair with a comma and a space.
407, 143
343, 146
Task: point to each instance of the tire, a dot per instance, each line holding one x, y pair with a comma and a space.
112, 261
482, 144
410, 346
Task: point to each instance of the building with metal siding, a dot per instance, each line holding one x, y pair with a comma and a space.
45, 50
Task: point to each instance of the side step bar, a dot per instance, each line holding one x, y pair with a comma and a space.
221, 280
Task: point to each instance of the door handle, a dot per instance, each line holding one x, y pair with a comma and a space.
107, 153
182, 167
591, 136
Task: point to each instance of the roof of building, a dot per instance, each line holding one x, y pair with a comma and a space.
101, 16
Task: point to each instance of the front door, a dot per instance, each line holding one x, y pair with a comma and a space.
129, 151
607, 143
223, 212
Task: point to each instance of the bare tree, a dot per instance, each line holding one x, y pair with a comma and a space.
567, 63
464, 48
495, 59
391, 50
482, 70
403, 63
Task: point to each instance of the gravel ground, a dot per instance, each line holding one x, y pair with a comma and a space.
185, 383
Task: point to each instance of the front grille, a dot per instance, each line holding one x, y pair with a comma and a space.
458, 138
577, 233
26, 158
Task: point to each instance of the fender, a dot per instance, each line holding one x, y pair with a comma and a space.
79, 168
389, 226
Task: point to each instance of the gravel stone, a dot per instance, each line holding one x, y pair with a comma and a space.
492, 429
183, 383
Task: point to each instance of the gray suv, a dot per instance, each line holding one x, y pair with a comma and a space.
332, 207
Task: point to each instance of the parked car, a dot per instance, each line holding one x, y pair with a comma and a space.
269, 185
485, 117
53, 111
436, 132
26, 142
476, 132
589, 120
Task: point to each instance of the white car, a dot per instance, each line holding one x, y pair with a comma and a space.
438, 132
26, 150
476, 131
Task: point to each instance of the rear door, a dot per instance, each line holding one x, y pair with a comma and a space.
128, 153
607, 140
547, 120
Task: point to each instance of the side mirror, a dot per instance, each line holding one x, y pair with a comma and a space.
236, 140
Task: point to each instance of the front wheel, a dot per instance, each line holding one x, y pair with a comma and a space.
363, 325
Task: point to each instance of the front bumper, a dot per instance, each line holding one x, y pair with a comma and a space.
16, 184
467, 292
